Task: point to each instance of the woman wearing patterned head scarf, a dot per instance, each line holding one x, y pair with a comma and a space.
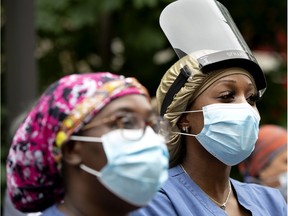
87, 148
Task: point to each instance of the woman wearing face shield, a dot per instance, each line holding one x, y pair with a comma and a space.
214, 126
88, 147
209, 97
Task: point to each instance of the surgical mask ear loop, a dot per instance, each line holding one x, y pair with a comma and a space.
90, 170
185, 128
187, 134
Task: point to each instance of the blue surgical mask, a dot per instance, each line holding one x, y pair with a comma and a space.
230, 131
136, 168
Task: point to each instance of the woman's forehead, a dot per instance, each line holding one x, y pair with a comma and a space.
234, 76
128, 103
234, 79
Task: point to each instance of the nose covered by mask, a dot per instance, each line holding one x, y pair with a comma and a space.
135, 170
230, 131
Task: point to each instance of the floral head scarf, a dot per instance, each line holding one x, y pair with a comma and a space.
34, 160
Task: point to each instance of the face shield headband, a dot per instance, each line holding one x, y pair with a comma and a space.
189, 36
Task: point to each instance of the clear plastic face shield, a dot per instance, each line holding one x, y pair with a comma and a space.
205, 29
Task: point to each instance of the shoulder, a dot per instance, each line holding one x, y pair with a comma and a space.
260, 198
170, 199
255, 189
161, 205
52, 211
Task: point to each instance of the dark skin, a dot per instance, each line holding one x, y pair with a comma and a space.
208, 172
85, 195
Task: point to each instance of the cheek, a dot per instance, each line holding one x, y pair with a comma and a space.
280, 161
197, 122
94, 155
277, 166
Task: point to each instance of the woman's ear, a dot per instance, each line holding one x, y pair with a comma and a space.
183, 123
71, 152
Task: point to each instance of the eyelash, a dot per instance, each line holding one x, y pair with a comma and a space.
230, 95
254, 97
227, 95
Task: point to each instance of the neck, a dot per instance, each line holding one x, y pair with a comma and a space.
86, 196
220, 196
205, 170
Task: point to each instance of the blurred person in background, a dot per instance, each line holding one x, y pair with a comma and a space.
267, 165
88, 147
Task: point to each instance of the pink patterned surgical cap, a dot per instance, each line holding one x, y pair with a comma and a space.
34, 161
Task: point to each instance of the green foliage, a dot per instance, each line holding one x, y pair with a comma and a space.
80, 32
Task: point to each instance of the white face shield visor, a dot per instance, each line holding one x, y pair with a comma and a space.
198, 27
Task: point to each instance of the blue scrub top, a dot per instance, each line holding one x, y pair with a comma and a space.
181, 196
52, 211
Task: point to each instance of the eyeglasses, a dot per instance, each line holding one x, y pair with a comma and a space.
127, 122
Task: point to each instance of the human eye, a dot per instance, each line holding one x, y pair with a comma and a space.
227, 96
253, 98
127, 122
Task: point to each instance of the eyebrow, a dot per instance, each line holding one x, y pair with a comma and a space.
127, 109
227, 80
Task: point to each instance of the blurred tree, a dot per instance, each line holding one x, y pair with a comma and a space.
120, 36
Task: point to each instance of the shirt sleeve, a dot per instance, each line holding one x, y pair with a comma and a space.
159, 206
262, 200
